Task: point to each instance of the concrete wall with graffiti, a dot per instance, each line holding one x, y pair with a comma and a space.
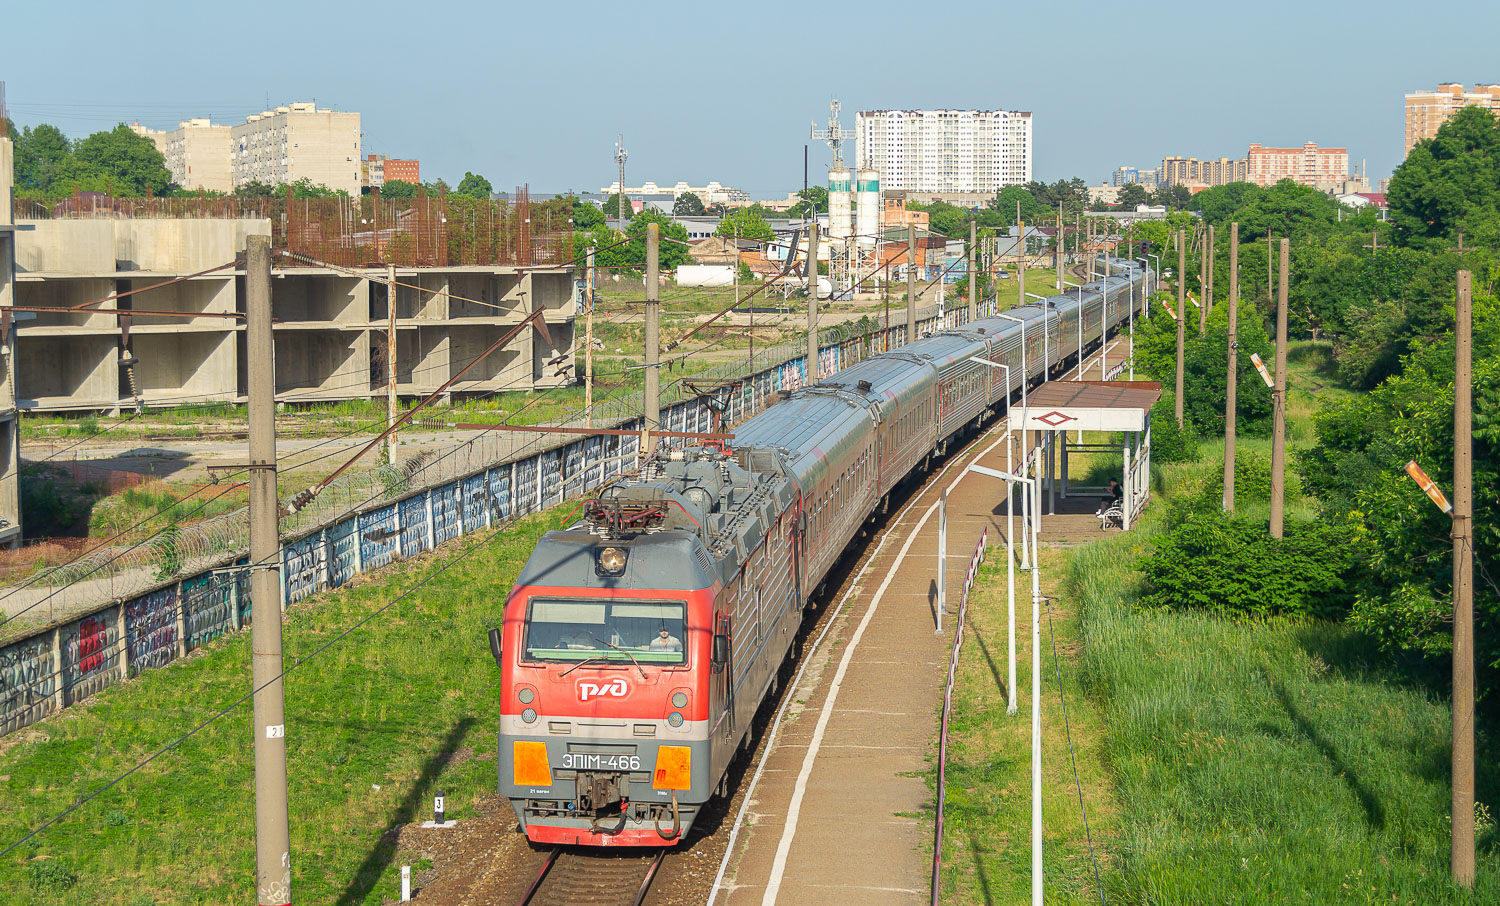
58, 665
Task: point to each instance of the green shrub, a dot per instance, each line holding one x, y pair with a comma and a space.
1209, 561
1252, 479
1170, 443
51, 874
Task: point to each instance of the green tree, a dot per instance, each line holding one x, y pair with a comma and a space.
688, 204
814, 201
1357, 467
1449, 182
399, 189
254, 189
1013, 198
1176, 197
1206, 366
41, 154
1132, 194
746, 223
611, 206
306, 188
674, 241
474, 186
127, 161
585, 215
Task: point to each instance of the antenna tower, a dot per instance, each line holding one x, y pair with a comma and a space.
620, 155
833, 136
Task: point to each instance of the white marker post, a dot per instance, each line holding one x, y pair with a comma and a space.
406, 883
1036, 698
942, 576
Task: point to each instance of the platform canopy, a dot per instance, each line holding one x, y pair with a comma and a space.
1089, 406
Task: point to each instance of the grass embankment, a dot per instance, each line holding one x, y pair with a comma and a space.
1221, 761
376, 724
986, 848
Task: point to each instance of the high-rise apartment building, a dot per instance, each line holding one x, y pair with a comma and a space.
197, 153
297, 142
1309, 165
1126, 175
1200, 174
1427, 110
945, 150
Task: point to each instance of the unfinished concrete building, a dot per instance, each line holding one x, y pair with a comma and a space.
10, 496
331, 316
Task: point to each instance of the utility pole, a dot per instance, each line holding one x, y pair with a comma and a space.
390, 360
1231, 389
1060, 248
1278, 402
1206, 280
273, 860
812, 303
1463, 587
1020, 273
973, 278
620, 155
911, 283
588, 341
1181, 317
652, 420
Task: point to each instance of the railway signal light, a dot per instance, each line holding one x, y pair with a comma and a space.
1429, 487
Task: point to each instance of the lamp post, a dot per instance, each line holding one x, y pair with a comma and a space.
1010, 560
1031, 502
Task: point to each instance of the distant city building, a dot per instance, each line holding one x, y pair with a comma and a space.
1127, 175
979, 151
296, 142
1105, 193
1427, 110
713, 193
1200, 174
897, 214
1309, 165
376, 169
197, 153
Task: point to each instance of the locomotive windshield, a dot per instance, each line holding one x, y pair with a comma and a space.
574, 629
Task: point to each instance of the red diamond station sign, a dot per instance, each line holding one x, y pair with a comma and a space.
1055, 419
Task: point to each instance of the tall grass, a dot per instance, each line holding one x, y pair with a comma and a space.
403, 707
1273, 761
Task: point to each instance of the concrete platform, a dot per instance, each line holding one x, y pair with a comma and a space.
837, 815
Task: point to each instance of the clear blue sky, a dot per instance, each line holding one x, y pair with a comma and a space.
535, 92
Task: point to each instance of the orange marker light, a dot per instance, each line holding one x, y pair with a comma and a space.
673, 768
1429, 487
529, 764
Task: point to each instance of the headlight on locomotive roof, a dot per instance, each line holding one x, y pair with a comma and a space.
611, 561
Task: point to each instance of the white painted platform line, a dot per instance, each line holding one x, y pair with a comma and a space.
799, 791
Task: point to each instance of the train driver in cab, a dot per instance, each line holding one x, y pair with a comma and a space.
665, 641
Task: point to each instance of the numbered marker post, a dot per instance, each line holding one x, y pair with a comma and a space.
437, 808
405, 883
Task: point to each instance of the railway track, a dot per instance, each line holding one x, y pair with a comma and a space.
571, 878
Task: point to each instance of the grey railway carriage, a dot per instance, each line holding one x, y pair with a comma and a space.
638, 643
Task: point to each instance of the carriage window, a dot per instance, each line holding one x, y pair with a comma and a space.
559, 629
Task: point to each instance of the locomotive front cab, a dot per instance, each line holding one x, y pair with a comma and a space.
605, 694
